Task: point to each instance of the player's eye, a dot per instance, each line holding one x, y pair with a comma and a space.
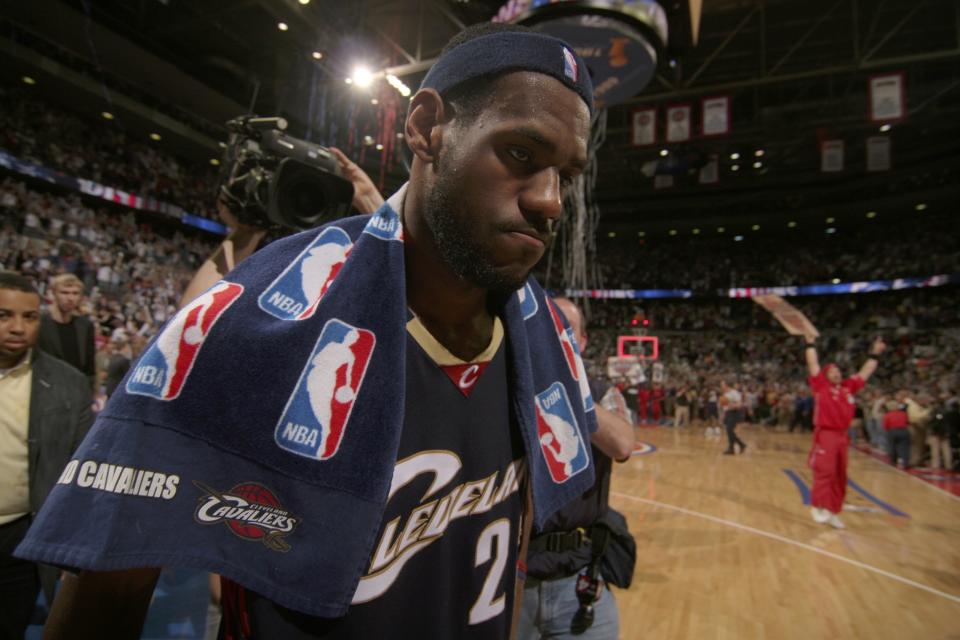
520, 155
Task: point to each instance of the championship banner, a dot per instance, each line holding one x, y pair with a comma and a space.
710, 172
678, 123
788, 315
663, 182
831, 156
644, 130
878, 153
888, 97
716, 116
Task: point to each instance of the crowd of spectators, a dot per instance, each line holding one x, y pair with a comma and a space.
36, 131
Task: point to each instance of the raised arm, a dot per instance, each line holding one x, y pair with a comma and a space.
810, 353
614, 435
101, 604
870, 365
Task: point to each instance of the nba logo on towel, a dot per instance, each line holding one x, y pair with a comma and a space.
528, 302
296, 292
385, 224
560, 440
571, 353
315, 418
570, 65
164, 368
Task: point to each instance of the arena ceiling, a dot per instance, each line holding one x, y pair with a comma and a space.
796, 70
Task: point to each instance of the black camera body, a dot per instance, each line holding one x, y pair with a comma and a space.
274, 181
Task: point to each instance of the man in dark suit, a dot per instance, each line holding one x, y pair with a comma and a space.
64, 333
44, 414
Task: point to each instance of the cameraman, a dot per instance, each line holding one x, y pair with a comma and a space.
244, 239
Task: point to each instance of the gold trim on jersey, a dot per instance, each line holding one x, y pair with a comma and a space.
439, 353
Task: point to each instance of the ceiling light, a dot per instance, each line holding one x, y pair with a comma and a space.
735, 167
317, 55
758, 153
696, 232
885, 128
106, 115
214, 162
362, 77
755, 227
304, 1
29, 80
734, 156
673, 232
612, 234
282, 26
641, 234
921, 207
738, 238
368, 140
791, 224
223, 145
399, 135
871, 214
831, 230
379, 147
155, 137
835, 281
757, 165
664, 153
374, 101
721, 229
831, 220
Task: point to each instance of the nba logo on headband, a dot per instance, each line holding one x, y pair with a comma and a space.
570, 64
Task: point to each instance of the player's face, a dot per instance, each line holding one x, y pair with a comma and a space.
67, 297
833, 375
19, 324
500, 179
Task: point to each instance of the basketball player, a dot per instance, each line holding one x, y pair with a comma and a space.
834, 405
732, 416
386, 511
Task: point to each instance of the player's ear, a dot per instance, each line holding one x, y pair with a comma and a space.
424, 126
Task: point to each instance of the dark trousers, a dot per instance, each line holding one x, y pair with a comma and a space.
19, 582
730, 420
898, 446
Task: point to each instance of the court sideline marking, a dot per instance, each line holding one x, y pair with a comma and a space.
802, 545
909, 475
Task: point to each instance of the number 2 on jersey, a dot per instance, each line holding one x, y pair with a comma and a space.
488, 605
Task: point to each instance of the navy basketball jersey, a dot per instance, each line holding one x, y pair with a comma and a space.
444, 560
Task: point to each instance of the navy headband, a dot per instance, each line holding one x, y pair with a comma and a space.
508, 51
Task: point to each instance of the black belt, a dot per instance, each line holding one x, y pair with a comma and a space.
559, 541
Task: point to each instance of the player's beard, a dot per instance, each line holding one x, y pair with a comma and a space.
457, 242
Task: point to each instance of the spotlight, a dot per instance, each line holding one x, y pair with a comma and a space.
641, 234
757, 165
664, 153
282, 26
696, 232
835, 281
738, 238
831, 230
368, 140
921, 207
379, 147
755, 227
758, 153
673, 232
317, 55
304, 2
29, 80
612, 234
362, 77
735, 167
399, 135
885, 128
871, 214
721, 229
791, 224
831, 220
348, 80
374, 101
214, 162
106, 115
734, 156
155, 137
223, 145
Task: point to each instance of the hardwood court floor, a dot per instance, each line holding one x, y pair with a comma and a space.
727, 549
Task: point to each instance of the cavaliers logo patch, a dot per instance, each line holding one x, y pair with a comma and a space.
163, 370
250, 511
296, 292
560, 441
315, 418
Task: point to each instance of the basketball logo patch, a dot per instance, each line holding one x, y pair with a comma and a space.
528, 302
560, 443
296, 292
385, 224
315, 418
